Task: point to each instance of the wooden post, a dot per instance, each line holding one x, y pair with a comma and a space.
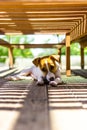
82, 57
68, 71
10, 53
59, 53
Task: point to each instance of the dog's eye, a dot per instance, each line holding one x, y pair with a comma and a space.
44, 69
51, 67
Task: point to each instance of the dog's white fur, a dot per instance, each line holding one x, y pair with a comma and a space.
36, 72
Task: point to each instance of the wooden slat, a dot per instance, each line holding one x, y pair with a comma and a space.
68, 101
44, 17
6, 72
23, 103
80, 72
34, 112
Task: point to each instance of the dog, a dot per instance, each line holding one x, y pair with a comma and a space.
45, 69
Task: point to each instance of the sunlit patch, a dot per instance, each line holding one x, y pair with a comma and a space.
68, 119
67, 108
8, 119
12, 99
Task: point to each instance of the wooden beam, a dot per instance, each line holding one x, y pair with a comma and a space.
24, 46
82, 56
4, 43
2, 32
68, 71
40, 4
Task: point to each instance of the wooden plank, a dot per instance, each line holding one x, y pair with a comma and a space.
39, 15
46, 3
46, 15
23, 46
23, 105
80, 72
5, 72
34, 114
66, 12
67, 107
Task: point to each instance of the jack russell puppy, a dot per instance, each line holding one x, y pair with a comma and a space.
45, 70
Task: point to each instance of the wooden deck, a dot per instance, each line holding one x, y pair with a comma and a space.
24, 105
82, 72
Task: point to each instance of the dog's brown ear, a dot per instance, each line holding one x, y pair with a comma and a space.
36, 61
55, 57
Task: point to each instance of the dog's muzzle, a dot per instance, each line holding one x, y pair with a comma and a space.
47, 81
51, 78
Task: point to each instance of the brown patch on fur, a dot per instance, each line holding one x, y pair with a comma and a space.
45, 61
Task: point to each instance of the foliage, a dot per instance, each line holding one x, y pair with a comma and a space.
85, 51
3, 53
26, 39
15, 40
48, 52
22, 53
74, 49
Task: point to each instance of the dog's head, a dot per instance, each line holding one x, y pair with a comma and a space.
48, 65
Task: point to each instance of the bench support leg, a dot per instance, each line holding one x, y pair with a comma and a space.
59, 53
68, 70
82, 57
10, 52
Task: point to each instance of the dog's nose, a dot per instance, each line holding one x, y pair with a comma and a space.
52, 78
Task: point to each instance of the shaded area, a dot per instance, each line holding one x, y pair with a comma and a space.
34, 114
80, 72
6, 72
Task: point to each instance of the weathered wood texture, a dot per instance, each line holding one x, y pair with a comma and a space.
30, 17
23, 104
26, 106
35, 110
79, 72
68, 107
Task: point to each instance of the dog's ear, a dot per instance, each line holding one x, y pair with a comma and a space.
36, 61
55, 57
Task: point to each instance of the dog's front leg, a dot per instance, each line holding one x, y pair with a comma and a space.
40, 81
56, 82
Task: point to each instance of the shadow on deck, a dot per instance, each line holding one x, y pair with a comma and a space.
24, 106
80, 72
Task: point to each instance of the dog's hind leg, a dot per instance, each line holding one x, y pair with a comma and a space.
24, 74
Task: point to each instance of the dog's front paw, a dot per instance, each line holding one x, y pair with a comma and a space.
40, 83
53, 83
